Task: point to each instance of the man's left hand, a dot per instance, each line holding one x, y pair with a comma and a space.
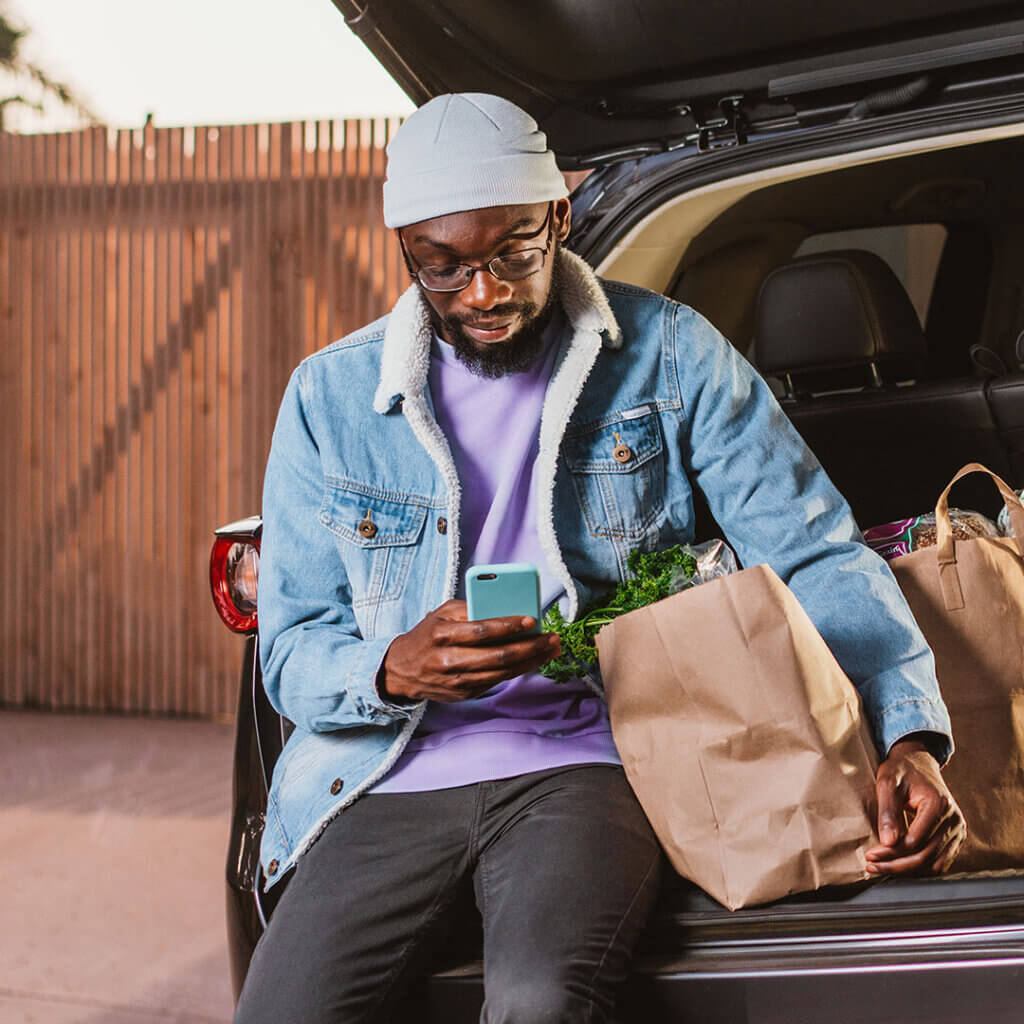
920, 826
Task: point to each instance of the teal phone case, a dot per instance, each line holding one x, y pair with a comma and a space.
511, 588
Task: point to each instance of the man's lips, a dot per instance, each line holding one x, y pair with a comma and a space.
488, 330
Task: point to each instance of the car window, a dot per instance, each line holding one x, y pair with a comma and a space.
911, 250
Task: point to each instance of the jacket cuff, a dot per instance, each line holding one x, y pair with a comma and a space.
910, 715
937, 744
361, 682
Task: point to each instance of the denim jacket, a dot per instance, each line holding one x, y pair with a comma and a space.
361, 523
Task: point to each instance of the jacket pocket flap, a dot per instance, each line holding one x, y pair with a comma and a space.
617, 447
370, 520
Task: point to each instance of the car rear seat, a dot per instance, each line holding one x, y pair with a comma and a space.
840, 332
1006, 396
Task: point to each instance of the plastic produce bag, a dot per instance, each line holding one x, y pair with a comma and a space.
715, 559
1003, 523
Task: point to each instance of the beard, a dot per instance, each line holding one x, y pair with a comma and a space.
512, 355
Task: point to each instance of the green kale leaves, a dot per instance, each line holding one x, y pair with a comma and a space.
653, 575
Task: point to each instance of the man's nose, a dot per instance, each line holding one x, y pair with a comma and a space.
485, 290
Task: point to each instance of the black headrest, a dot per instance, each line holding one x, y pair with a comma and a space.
836, 309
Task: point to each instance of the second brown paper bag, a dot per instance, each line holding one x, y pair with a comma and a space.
742, 738
968, 599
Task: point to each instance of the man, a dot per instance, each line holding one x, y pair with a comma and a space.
515, 408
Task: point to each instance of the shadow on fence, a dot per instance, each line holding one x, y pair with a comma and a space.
157, 287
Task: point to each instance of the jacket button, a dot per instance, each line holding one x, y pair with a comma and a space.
272, 868
368, 528
442, 525
621, 453
336, 787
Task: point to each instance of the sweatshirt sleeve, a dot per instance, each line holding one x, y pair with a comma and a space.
776, 505
304, 604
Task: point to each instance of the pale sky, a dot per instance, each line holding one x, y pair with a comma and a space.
203, 61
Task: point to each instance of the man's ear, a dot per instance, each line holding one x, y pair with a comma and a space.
562, 218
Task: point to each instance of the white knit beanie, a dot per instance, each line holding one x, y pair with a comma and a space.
464, 151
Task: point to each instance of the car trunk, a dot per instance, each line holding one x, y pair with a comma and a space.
816, 958
606, 80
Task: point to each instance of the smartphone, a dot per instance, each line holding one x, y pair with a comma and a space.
511, 588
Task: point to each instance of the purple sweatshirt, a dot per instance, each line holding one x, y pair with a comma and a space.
527, 723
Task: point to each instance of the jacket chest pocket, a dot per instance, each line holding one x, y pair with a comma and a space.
377, 539
619, 474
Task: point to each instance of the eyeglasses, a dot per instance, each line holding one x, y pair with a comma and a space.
510, 266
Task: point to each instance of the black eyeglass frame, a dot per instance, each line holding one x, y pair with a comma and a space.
415, 270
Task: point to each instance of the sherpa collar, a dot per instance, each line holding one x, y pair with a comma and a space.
405, 360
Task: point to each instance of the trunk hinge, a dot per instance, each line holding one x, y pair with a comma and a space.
725, 131
363, 22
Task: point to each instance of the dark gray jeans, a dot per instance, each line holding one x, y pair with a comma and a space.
564, 868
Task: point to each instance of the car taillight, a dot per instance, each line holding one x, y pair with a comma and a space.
234, 574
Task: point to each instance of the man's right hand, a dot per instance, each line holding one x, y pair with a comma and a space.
447, 658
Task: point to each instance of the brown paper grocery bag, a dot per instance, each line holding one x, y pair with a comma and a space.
968, 599
742, 738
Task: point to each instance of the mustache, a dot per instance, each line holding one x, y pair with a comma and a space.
494, 313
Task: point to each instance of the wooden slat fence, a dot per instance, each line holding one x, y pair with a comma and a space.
157, 286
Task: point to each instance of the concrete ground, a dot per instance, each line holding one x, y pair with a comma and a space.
113, 835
